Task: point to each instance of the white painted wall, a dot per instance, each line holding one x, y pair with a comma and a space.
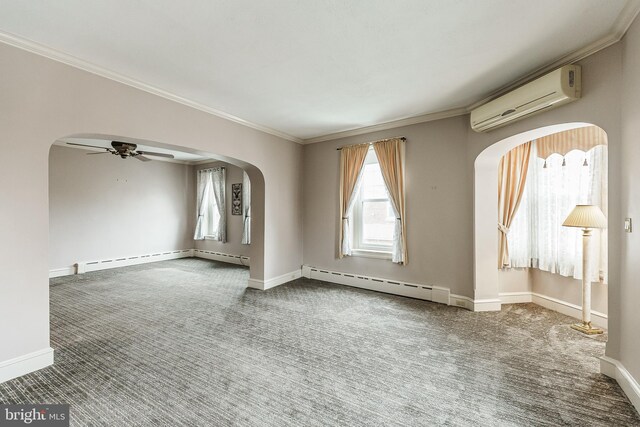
43, 101
629, 254
234, 245
101, 207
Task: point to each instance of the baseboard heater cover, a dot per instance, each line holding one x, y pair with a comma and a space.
86, 266
397, 287
219, 256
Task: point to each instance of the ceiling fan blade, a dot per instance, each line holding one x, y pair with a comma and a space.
150, 153
85, 145
142, 158
102, 152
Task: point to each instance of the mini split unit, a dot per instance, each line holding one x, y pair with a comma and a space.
552, 90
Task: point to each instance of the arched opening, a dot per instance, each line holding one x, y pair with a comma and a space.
159, 201
488, 294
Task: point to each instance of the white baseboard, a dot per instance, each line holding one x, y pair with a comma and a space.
566, 308
397, 287
64, 271
461, 301
614, 369
475, 305
515, 297
487, 305
25, 364
219, 256
263, 285
85, 266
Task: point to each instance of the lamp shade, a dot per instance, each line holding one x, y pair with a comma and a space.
586, 216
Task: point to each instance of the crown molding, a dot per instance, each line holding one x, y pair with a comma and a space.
429, 117
42, 50
618, 30
626, 17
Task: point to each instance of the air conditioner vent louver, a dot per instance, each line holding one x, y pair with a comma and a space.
549, 91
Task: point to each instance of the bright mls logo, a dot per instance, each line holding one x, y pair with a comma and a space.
34, 415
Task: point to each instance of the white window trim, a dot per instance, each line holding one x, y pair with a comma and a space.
366, 253
360, 249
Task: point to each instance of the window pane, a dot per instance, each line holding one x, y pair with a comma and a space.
377, 223
372, 182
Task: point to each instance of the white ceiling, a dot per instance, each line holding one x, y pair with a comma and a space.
313, 68
179, 156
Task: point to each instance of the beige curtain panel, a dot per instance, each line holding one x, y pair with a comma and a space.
390, 155
583, 139
512, 177
351, 163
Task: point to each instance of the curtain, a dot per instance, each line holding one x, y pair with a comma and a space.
205, 189
246, 209
512, 177
219, 194
583, 139
390, 155
537, 238
351, 162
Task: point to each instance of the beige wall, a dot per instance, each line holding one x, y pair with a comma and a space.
235, 225
629, 295
439, 231
42, 101
102, 207
515, 280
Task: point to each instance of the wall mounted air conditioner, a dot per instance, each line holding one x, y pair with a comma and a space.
549, 91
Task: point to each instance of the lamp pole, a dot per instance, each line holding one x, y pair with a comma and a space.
586, 217
586, 327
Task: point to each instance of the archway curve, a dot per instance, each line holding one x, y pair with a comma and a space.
485, 212
256, 249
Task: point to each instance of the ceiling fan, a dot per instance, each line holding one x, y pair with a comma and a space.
124, 150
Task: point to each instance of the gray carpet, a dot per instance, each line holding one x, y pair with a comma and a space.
184, 343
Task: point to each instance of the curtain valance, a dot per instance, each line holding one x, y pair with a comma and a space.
583, 139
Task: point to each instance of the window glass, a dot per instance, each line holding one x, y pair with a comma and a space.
374, 220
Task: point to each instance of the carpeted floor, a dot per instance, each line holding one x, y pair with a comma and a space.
184, 343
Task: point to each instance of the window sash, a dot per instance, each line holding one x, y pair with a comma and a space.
358, 220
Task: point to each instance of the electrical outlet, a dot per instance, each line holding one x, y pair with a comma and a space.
628, 227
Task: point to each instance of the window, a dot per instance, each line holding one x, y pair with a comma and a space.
554, 186
373, 215
211, 221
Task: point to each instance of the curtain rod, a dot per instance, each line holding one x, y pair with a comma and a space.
373, 142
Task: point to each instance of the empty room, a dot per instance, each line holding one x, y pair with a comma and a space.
289, 213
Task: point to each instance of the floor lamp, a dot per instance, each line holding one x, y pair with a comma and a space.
586, 217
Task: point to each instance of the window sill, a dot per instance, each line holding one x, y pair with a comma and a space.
211, 238
365, 253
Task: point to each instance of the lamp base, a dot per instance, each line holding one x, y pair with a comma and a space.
586, 328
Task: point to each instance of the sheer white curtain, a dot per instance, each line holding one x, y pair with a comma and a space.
211, 221
246, 209
205, 195
219, 186
537, 238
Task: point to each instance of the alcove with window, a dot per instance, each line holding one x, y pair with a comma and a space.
547, 178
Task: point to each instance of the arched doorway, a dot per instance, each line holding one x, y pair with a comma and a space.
486, 273
132, 237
